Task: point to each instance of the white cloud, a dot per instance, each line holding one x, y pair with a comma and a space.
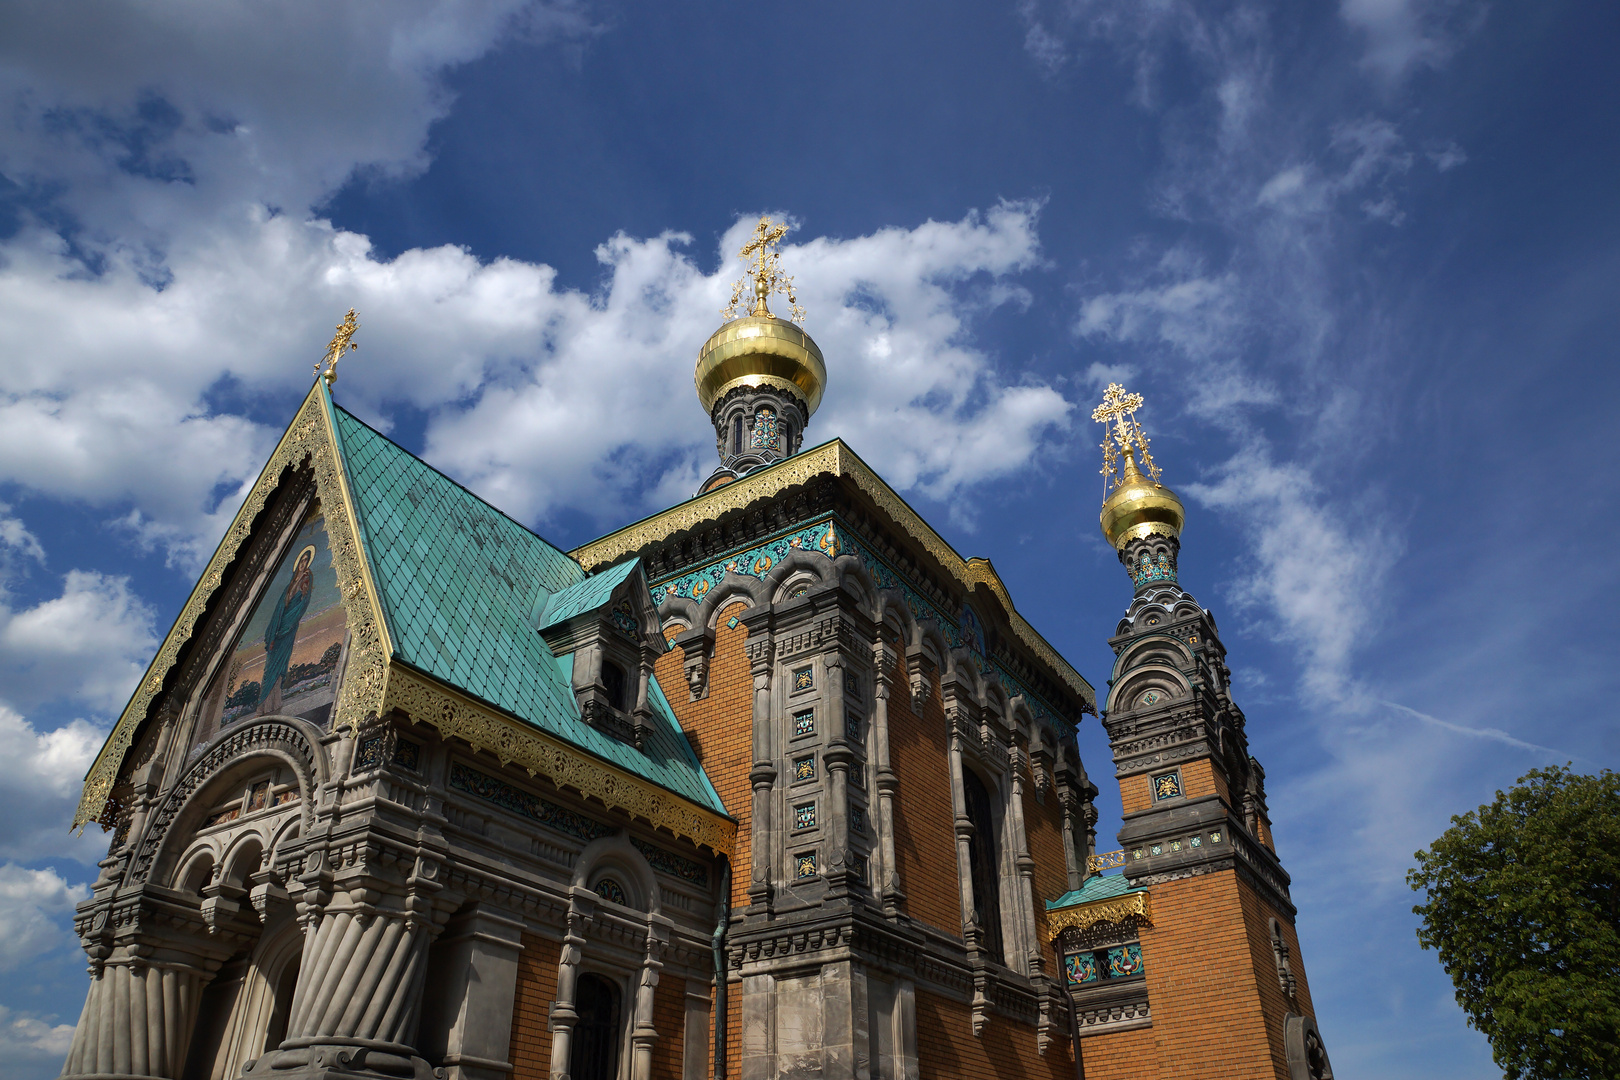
188, 149
15, 539
25, 1037
1317, 581
41, 773
89, 644
1402, 35
33, 907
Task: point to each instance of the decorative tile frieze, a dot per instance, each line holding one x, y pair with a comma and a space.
804, 723
804, 816
524, 804
804, 865
670, 863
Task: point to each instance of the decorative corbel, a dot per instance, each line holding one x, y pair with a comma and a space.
697, 644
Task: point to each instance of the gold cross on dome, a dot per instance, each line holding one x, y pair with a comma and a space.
765, 271
1127, 437
340, 346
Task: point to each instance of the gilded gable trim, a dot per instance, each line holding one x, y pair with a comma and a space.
309, 437
1132, 905
425, 700
837, 459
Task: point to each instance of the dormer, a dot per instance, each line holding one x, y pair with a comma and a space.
609, 628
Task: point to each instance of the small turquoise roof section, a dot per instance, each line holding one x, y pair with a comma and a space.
1096, 887
588, 595
459, 582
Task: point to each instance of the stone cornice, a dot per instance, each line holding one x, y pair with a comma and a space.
831, 459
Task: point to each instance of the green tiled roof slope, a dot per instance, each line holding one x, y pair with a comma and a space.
1096, 887
588, 595
461, 586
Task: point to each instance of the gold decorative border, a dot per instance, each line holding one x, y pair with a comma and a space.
837, 459
454, 715
310, 435
1114, 909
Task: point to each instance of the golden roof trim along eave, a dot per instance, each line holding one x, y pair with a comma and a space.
1132, 905
838, 459
309, 435
424, 699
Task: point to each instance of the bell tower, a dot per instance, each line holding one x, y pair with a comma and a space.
1221, 954
760, 378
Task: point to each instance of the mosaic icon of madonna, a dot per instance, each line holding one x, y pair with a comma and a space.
285, 662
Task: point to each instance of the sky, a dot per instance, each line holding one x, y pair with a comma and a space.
1360, 258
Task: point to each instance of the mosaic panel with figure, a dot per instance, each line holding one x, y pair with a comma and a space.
285, 662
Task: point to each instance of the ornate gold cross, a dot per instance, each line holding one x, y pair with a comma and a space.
765, 271
1127, 437
340, 346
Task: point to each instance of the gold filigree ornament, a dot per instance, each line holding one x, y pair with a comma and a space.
837, 459
764, 272
1119, 409
342, 343
310, 438
1133, 907
456, 716
1135, 504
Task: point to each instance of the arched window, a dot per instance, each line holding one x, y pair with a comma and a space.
736, 434
595, 1053
613, 681
983, 864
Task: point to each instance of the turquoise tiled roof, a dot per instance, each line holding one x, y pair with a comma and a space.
459, 586
1096, 887
588, 595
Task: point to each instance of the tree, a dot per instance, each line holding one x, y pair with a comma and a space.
1524, 910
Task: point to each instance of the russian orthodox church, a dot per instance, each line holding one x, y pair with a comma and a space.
773, 783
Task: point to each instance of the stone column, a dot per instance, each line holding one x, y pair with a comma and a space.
971, 932
139, 1015
762, 837
1024, 884
563, 1014
643, 1031
470, 1018
360, 982
838, 757
888, 783
1072, 860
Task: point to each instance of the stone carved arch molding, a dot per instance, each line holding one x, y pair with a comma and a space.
311, 442
289, 739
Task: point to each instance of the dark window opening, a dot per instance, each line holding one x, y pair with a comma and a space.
613, 682
595, 1053
737, 435
983, 864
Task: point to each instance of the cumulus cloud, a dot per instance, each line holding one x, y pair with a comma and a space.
185, 153
41, 772
25, 1038
89, 644
33, 907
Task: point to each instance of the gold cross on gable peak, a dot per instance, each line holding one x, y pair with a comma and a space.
764, 270
1118, 408
342, 344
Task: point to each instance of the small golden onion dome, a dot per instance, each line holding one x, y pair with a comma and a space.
760, 350
1138, 507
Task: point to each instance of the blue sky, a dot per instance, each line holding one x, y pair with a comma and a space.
1361, 258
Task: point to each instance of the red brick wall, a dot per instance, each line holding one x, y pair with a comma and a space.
1257, 916
531, 1008
924, 819
1198, 778
721, 730
1201, 975
946, 1046
1126, 1055
669, 1017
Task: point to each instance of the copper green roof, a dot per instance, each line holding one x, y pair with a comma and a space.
1096, 887
462, 588
587, 595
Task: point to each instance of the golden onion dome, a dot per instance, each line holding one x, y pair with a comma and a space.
760, 350
1139, 506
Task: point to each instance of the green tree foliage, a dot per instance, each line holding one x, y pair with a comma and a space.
1524, 909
